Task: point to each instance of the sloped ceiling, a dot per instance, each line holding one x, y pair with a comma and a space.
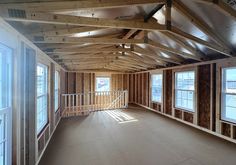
165, 49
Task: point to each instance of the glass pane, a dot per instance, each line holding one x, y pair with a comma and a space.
42, 116
156, 87
5, 80
41, 80
184, 99
56, 94
184, 93
230, 81
56, 100
230, 107
2, 153
102, 84
185, 80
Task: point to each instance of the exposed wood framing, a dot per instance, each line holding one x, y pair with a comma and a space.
88, 40
65, 32
198, 22
77, 5
221, 6
184, 45
83, 21
209, 45
171, 50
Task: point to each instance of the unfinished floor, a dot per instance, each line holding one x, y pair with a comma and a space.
134, 137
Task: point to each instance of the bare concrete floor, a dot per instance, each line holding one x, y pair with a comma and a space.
145, 139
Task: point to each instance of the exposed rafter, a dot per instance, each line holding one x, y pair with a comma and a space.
77, 5
184, 45
190, 37
82, 21
198, 22
65, 32
87, 40
221, 6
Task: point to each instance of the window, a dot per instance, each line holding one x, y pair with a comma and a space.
42, 97
5, 104
157, 88
185, 90
228, 111
102, 84
56, 90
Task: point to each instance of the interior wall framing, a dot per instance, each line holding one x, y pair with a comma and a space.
207, 96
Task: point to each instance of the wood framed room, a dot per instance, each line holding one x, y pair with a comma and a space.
117, 82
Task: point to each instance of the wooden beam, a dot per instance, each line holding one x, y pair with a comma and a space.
87, 40
150, 14
129, 34
81, 21
184, 45
190, 37
168, 14
199, 23
221, 6
174, 51
78, 50
65, 32
78, 5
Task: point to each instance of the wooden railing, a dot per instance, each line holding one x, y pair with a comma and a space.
84, 103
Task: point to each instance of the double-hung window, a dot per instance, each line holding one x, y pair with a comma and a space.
157, 88
42, 97
102, 84
228, 109
185, 90
56, 91
6, 79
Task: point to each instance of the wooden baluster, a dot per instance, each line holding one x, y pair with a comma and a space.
80, 102
66, 106
77, 103
69, 106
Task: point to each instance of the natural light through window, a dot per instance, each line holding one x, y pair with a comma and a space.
120, 116
56, 90
102, 84
157, 88
5, 104
228, 111
185, 90
42, 97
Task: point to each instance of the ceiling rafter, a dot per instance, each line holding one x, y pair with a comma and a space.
63, 6
184, 45
199, 23
65, 31
209, 45
221, 6
82, 21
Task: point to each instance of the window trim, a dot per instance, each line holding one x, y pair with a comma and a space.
223, 95
102, 77
194, 91
41, 130
59, 83
153, 101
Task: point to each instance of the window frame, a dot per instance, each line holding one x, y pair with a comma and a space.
223, 94
102, 77
47, 98
58, 90
194, 91
158, 101
6, 111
